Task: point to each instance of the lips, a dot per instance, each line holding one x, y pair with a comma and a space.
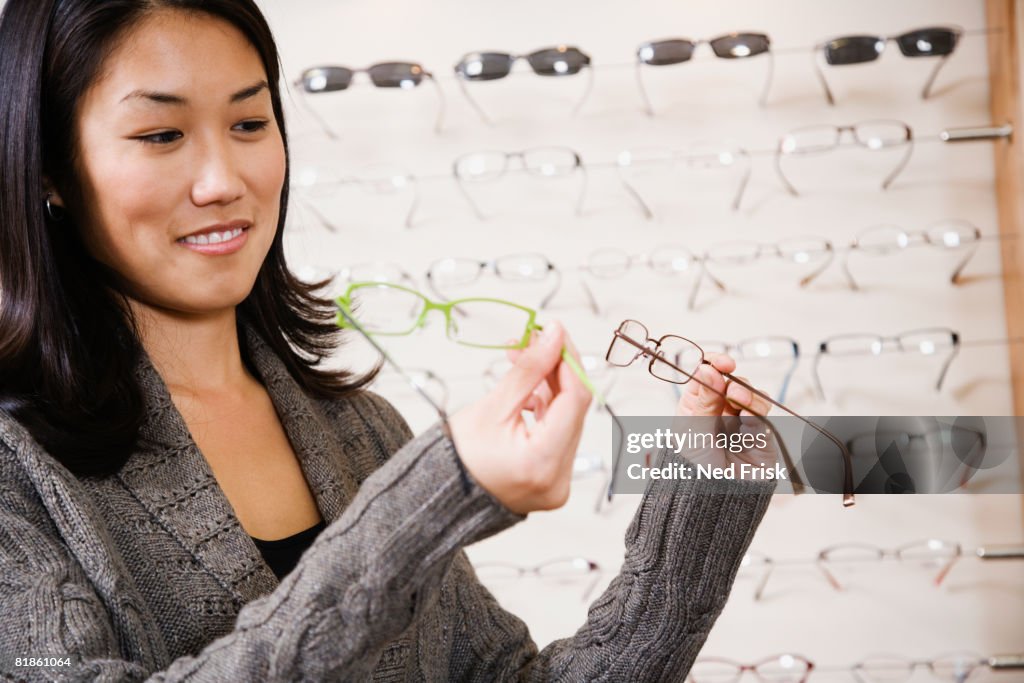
217, 233
217, 240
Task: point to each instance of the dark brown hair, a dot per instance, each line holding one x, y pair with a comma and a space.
68, 346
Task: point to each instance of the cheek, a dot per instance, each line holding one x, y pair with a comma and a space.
125, 211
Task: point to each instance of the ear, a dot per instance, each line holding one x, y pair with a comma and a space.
50, 192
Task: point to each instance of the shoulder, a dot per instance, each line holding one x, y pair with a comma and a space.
25, 468
368, 415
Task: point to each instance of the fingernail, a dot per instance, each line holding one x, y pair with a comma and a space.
551, 336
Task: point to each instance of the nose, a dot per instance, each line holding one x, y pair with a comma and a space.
218, 177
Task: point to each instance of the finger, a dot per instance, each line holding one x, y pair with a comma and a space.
536, 404
544, 391
739, 399
557, 434
722, 362
511, 352
759, 406
709, 393
532, 366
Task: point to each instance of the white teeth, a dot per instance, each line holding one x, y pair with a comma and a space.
213, 237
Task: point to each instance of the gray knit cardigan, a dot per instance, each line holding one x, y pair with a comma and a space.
147, 574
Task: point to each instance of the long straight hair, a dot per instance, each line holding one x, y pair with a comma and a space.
68, 345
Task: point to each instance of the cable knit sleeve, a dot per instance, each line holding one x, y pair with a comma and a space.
683, 550
363, 582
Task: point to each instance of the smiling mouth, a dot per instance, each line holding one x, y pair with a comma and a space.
213, 237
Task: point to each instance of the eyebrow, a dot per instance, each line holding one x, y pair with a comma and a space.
177, 100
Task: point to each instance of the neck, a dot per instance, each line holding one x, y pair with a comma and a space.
196, 355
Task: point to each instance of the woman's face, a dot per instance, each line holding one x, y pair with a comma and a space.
180, 164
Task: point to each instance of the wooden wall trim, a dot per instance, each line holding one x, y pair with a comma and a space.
1005, 68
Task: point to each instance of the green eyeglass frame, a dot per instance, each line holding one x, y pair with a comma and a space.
449, 309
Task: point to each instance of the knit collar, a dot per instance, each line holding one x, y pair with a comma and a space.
171, 478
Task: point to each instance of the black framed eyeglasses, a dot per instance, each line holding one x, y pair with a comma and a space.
677, 360
679, 50
404, 75
933, 41
555, 61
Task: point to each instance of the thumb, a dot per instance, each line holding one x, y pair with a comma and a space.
534, 363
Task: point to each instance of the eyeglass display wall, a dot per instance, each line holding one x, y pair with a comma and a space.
681, 164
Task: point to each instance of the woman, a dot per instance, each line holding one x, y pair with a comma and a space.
164, 420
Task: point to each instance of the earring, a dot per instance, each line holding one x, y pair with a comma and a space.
56, 213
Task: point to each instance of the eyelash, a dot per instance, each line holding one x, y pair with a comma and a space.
162, 138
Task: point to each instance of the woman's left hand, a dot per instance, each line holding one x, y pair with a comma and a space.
738, 406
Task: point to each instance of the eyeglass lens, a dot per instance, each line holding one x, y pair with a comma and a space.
926, 42
396, 75
558, 61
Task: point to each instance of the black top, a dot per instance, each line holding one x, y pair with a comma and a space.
282, 555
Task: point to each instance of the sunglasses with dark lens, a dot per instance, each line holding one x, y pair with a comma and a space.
405, 75
679, 50
935, 41
550, 61
561, 60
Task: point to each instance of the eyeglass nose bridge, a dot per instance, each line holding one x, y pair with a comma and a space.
424, 319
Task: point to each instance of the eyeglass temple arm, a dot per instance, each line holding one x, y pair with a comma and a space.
782, 174
350, 321
321, 121
768, 568
586, 93
648, 108
554, 290
944, 572
763, 100
789, 375
926, 91
819, 49
583, 187
829, 576
955, 277
846, 269
816, 375
808, 279
741, 190
591, 299
469, 198
432, 286
469, 98
704, 272
312, 208
441, 104
645, 209
411, 213
949, 361
903, 163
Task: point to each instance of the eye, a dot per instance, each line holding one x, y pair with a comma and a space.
164, 137
252, 125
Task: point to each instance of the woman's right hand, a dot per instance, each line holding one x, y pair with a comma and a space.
527, 467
